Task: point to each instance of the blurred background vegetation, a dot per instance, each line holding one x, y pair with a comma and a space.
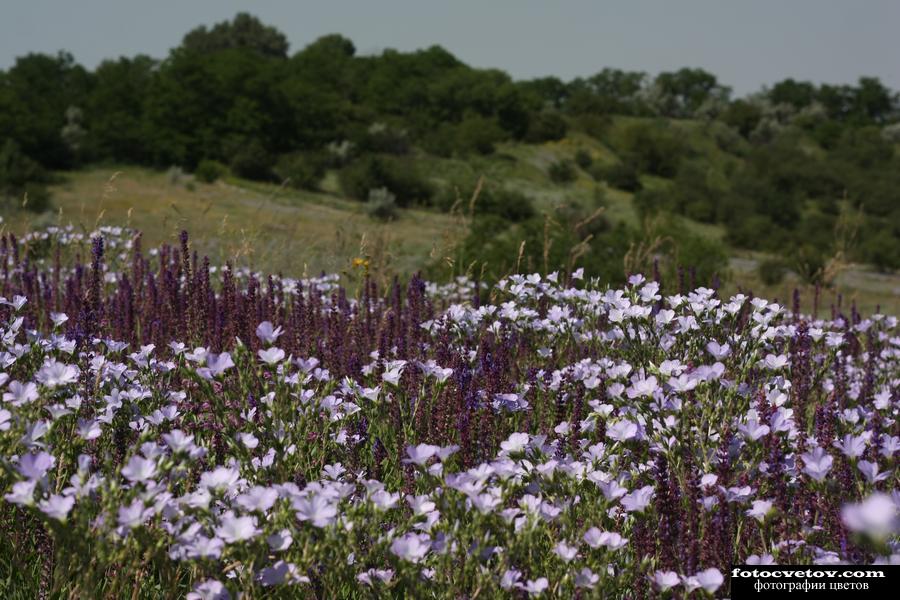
302, 161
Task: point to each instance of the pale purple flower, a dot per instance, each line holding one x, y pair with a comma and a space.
271, 356
870, 471
565, 552
236, 529
257, 498
515, 443
817, 463
760, 509
876, 516
267, 333
35, 466
209, 590
220, 478
20, 393
535, 587
280, 541
22, 493
586, 578
54, 374
317, 508
638, 500
411, 547
57, 507
665, 580
642, 388
852, 446
622, 431
420, 454
134, 514
139, 469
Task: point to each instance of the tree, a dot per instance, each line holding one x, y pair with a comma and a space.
683, 92
244, 31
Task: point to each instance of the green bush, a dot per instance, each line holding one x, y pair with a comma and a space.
771, 271
209, 171
398, 176
253, 161
545, 127
382, 205
22, 180
507, 204
302, 171
622, 176
562, 171
655, 148
583, 159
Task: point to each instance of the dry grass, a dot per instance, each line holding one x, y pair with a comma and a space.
265, 227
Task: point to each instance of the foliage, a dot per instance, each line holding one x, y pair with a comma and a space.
622, 175
562, 171
209, 171
398, 177
301, 170
382, 205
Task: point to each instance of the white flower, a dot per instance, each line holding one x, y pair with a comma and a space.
134, 514
610, 539
817, 463
139, 469
35, 466
268, 334
57, 507
420, 454
760, 509
638, 500
516, 442
622, 431
876, 516
411, 547
280, 541
586, 579
271, 356
317, 508
236, 529
219, 479
257, 498
20, 393
22, 493
565, 552
209, 590
535, 587
665, 580
54, 374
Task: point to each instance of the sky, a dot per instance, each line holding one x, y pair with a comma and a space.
746, 43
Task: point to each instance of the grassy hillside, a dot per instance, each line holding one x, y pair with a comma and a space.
277, 228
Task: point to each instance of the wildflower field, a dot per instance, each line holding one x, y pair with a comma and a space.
171, 428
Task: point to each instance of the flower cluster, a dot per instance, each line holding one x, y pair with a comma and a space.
180, 429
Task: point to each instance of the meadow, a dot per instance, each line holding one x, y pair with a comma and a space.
170, 428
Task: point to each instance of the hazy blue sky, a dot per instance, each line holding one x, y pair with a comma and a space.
747, 43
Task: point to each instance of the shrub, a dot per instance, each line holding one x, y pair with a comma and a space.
655, 148
545, 127
301, 170
478, 134
209, 171
22, 180
562, 171
771, 271
382, 205
253, 161
398, 177
583, 158
507, 204
622, 176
